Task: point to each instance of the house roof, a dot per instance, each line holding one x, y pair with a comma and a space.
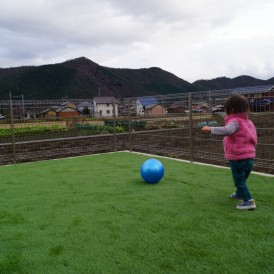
104, 100
85, 104
145, 101
59, 109
65, 103
150, 106
66, 108
49, 109
218, 107
178, 104
252, 90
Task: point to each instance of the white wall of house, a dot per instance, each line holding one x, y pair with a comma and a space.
105, 110
139, 108
105, 106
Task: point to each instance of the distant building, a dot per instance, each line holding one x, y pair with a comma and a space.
105, 106
155, 110
142, 103
85, 108
67, 109
178, 107
260, 98
218, 108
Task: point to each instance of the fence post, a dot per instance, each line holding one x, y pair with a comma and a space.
114, 125
129, 126
12, 131
209, 101
190, 127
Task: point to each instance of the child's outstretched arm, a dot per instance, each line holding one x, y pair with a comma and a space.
206, 129
226, 130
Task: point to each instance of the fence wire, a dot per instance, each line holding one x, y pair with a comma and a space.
168, 125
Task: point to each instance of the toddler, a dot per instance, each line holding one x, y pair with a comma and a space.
239, 146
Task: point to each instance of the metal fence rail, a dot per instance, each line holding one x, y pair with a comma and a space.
167, 125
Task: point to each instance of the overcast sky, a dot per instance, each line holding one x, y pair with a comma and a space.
197, 39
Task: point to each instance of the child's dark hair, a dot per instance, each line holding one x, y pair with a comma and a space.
236, 104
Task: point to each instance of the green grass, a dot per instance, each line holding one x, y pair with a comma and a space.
94, 214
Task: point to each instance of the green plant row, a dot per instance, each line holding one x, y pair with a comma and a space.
83, 128
95, 129
31, 130
135, 124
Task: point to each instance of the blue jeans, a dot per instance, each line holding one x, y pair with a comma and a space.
240, 172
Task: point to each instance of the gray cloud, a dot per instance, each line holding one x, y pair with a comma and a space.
199, 39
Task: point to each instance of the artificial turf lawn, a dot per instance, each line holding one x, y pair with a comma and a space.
94, 214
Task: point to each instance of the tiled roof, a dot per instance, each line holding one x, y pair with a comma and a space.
145, 101
65, 107
104, 100
178, 104
150, 106
255, 89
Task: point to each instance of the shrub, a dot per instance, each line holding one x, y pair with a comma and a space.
19, 131
96, 129
135, 124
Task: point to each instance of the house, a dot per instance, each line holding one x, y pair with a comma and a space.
105, 106
127, 106
155, 110
260, 98
66, 109
68, 105
143, 102
49, 113
85, 108
195, 109
64, 112
218, 108
178, 107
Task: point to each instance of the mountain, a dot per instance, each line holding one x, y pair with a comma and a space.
228, 83
83, 78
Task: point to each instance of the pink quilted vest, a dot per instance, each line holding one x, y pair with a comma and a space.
241, 144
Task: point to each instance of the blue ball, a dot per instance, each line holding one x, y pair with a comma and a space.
152, 171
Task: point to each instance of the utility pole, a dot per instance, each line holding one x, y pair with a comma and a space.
23, 106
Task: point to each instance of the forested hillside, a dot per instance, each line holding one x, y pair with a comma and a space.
82, 78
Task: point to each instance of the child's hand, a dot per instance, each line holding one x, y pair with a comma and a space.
206, 129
